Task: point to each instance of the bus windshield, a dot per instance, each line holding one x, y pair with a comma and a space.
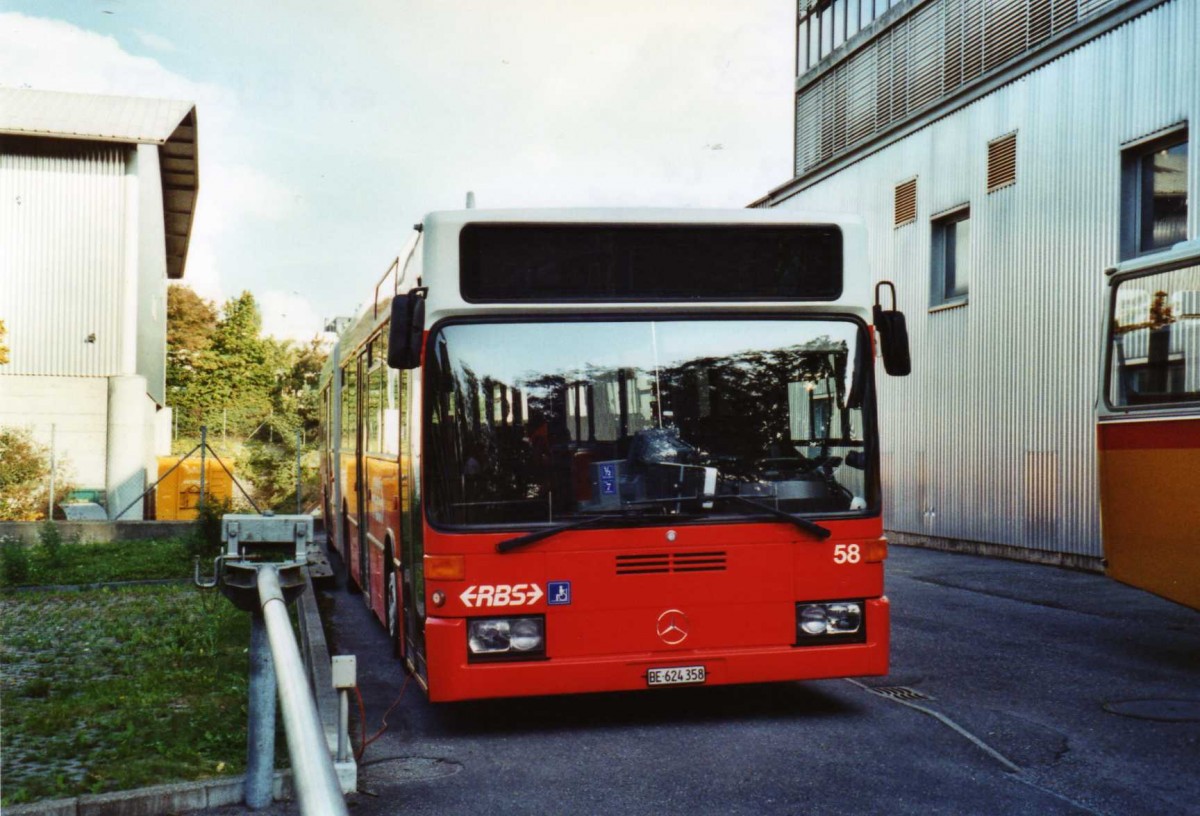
545, 422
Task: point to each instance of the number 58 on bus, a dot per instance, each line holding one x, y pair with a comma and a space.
597, 450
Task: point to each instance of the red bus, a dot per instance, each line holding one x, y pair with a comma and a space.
1148, 431
596, 450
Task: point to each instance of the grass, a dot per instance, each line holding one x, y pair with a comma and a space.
72, 562
115, 689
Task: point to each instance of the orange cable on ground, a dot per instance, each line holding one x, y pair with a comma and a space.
383, 725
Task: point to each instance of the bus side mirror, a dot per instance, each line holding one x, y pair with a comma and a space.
406, 330
893, 335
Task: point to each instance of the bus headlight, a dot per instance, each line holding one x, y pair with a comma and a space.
506, 638
829, 622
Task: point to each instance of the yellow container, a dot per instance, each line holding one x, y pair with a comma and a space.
178, 495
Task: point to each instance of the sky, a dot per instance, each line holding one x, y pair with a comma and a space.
326, 130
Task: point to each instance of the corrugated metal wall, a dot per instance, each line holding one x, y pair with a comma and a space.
924, 56
63, 232
992, 438
152, 277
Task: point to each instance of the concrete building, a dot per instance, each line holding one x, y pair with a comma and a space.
1005, 154
96, 201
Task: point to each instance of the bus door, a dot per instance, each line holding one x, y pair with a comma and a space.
412, 547
347, 465
361, 543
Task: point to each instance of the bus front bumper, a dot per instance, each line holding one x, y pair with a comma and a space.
452, 677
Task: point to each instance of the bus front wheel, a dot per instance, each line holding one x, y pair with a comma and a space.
392, 593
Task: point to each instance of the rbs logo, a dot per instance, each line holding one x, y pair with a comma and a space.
501, 595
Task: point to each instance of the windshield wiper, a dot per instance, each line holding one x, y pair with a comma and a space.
621, 519
626, 517
812, 528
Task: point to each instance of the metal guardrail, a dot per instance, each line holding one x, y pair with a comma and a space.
253, 582
313, 775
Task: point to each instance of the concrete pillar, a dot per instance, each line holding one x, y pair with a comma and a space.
125, 452
163, 418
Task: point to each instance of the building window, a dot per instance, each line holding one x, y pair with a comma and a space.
1154, 205
951, 254
826, 25
802, 47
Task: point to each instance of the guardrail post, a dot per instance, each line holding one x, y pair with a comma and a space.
260, 731
203, 464
344, 669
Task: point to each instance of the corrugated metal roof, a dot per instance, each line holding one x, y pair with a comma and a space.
168, 123
87, 116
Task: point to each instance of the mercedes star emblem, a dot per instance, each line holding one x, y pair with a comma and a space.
672, 627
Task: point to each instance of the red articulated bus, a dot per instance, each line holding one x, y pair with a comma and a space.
598, 450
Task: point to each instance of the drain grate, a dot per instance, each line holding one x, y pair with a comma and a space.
899, 693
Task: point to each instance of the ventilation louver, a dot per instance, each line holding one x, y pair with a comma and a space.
906, 202
1002, 162
918, 61
652, 563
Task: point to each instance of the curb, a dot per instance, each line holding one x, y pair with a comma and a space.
179, 797
315, 651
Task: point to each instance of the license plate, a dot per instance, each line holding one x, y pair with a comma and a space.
675, 676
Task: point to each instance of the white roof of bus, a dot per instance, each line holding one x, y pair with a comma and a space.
440, 230
441, 249
638, 215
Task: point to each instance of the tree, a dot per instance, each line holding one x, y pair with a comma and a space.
247, 367
297, 393
221, 368
25, 476
190, 319
296, 407
224, 373
190, 324
3, 345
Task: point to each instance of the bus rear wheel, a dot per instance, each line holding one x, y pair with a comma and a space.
351, 584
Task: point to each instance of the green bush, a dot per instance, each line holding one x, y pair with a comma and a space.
25, 476
51, 541
98, 562
206, 538
14, 560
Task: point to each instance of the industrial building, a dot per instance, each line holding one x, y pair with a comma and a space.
97, 195
1005, 153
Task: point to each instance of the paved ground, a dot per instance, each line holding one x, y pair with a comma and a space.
1031, 674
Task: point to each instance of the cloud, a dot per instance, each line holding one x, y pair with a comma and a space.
57, 56
289, 316
311, 178
236, 196
154, 42
242, 192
